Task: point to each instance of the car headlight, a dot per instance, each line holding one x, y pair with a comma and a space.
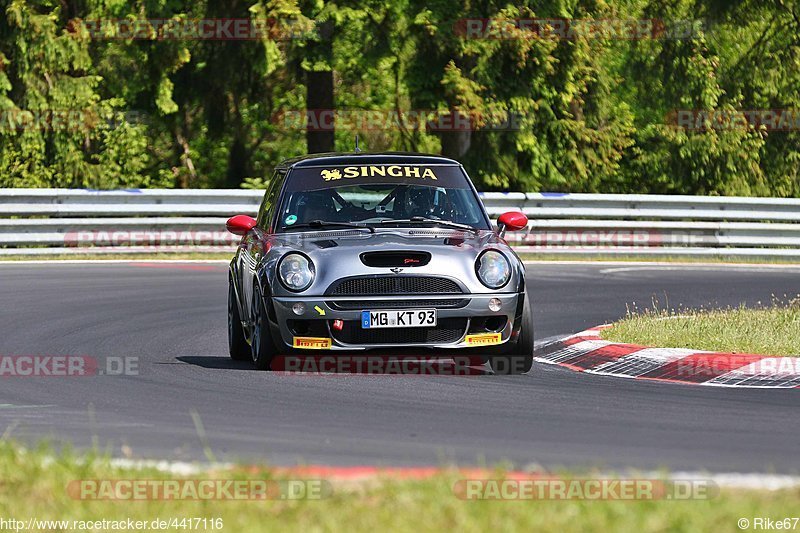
296, 272
493, 269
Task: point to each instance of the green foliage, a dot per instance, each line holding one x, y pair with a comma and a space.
255, 183
83, 106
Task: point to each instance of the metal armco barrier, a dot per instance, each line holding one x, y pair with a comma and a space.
67, 221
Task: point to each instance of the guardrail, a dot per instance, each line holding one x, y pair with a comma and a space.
68, 221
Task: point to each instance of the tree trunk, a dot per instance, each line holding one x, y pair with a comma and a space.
319, 95
456, 143
238, 160
319, 106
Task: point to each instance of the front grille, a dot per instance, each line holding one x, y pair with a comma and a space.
381, 285
448, 330
448, 303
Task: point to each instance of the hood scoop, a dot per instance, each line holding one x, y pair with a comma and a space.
450, 241
386, 259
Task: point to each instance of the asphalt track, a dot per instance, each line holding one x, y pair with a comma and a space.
172, 317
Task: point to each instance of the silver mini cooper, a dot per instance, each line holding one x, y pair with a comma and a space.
381, 252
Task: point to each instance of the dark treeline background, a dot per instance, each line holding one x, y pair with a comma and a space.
592, 115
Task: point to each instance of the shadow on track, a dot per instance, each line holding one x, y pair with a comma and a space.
351, 364
215, 361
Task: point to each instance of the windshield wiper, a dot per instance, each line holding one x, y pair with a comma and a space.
325, 223
424, 220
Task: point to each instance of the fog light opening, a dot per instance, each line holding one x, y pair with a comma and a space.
299, 308
495, 304
495, 324
299, 327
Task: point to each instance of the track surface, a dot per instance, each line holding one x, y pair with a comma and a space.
173, 318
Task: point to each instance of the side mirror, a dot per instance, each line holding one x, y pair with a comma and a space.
240, 224
511, 220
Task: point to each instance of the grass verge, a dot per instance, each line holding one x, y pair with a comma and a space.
34, 485
772, 330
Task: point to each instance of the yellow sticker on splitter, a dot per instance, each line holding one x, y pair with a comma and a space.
483, 339
311, 343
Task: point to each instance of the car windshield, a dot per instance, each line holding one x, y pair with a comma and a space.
378, 195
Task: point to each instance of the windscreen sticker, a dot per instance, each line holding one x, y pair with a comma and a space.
291, 219
371, 171
391, 174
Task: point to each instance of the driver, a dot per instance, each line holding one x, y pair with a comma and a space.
317, 205
421, 202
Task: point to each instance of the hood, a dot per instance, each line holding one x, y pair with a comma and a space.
338, 253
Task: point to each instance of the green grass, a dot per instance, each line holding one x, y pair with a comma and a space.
32, 484
768, 330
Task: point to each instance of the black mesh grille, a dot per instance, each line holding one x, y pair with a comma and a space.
448, 330
448, 303
376, 286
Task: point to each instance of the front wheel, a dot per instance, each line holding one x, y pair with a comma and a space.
519, 358
237, 344
262, 346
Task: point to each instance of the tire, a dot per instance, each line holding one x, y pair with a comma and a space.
262, 346
519, 357
237, 343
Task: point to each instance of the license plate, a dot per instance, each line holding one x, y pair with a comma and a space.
406, 318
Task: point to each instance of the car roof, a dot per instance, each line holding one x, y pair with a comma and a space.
363, 158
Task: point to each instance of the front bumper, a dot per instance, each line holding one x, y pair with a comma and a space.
464, 321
